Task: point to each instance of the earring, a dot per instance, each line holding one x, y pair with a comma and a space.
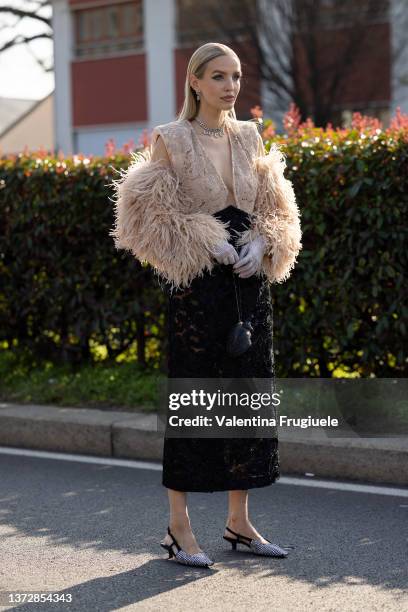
198, 96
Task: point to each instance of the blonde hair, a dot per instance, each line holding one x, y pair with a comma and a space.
196, 66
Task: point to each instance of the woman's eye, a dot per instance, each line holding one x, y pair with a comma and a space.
236, 76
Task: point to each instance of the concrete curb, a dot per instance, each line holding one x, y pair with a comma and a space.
135, 436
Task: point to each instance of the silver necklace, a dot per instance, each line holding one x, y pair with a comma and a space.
209, 131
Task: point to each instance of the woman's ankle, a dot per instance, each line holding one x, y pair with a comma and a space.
237, 522
179, 522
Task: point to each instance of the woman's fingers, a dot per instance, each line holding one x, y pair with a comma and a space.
229, 257
240, 265
247, 266
248, 269
244, 250
232, 255
225, 253
247, 273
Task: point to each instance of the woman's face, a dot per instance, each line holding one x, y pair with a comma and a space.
221, 80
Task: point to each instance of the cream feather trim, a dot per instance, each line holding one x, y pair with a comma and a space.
276, 217
151, 222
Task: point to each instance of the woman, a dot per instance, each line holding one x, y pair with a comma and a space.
218, 221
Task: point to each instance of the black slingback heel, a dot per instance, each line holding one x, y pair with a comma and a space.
258, 548
198, 559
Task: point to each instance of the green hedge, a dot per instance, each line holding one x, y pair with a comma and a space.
343, 311
66, 294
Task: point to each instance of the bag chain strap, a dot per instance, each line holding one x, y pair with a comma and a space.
236, 294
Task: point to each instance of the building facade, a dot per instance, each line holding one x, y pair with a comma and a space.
120, 67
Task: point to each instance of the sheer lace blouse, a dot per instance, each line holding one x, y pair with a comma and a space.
214, 180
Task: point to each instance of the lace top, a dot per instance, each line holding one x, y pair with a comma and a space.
218, 151
192, 163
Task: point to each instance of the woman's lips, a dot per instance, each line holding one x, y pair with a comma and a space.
228, 98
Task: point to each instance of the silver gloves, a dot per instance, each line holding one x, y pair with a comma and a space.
225, 253
248, 262
250, 258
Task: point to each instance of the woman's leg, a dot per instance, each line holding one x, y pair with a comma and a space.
238, 519
179, 523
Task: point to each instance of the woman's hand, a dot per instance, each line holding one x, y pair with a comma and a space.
225, 253
250, 258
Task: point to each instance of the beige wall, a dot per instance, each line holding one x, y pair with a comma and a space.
35, 130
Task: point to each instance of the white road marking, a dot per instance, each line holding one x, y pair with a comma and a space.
132, 463
149, 465
344, 486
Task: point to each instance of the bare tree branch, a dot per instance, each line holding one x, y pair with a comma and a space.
20, 14
30, 14
40, 61
21, 40
290, 44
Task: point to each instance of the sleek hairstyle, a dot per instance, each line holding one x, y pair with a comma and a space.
196, 66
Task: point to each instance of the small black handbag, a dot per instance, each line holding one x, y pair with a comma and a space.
239, 338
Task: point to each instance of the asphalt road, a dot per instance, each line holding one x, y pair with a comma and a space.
91, 532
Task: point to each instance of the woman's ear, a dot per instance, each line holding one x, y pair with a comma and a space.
194, 83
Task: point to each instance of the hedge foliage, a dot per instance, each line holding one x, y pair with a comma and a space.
344, 311
66, 294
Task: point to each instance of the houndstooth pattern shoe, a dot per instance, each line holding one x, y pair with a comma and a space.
258, 548
198, 559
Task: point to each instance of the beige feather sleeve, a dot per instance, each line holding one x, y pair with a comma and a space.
152, 222
276, 216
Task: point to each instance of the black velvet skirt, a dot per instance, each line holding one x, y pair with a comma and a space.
199, 320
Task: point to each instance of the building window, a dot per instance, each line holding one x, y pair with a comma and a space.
108, 30
338, 14
199, 22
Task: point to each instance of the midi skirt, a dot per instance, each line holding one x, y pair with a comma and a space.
199, 319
